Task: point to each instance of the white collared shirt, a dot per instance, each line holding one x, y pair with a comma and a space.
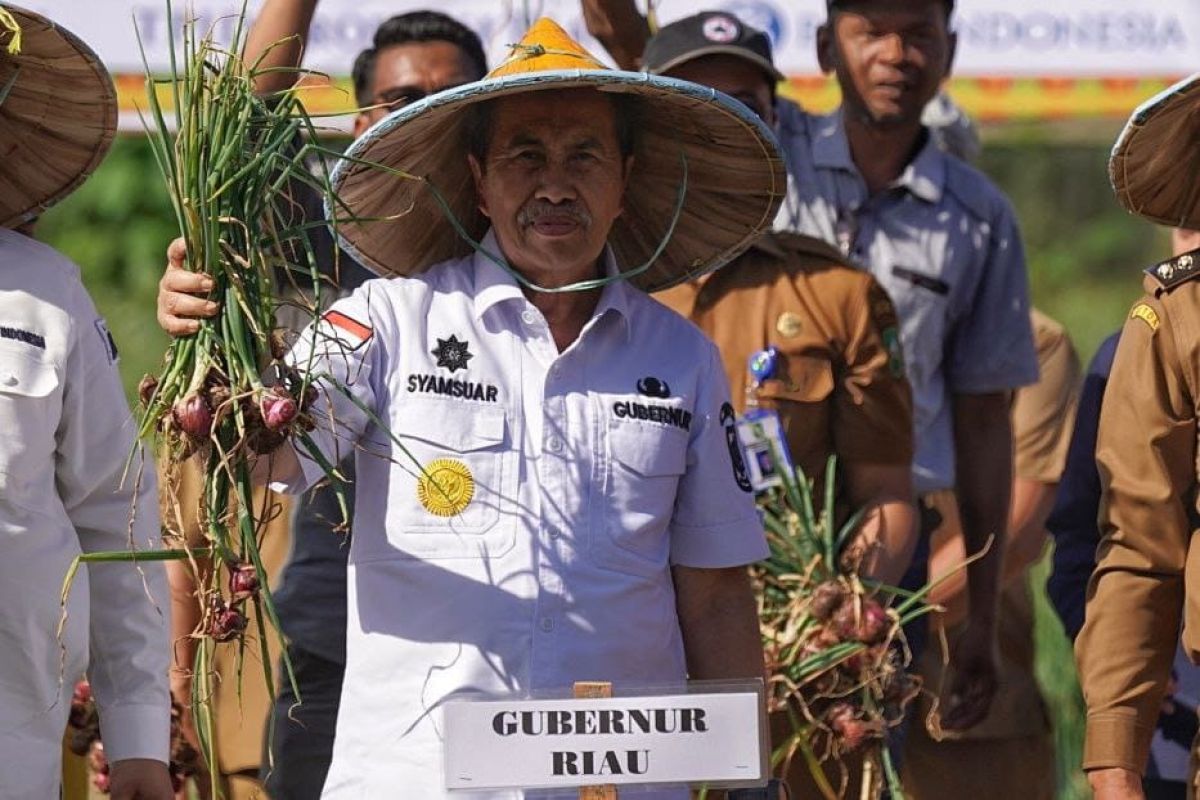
595, 470
65, 434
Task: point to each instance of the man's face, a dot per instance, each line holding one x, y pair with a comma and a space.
404, 73
890, 57
553, 179
736, 77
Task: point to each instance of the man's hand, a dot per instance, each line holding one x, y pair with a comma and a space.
975, 678
179, 305
1115, 784
140, 779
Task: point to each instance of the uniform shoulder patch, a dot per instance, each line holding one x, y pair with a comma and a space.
1146, 314
1177, 270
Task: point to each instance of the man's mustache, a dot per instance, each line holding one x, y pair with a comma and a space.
539, 209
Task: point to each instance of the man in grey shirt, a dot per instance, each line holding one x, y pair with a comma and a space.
944, 242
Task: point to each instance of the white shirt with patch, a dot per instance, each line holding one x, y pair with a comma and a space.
564, 487
65, 433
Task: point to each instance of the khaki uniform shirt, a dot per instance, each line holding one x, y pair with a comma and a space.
840, 386
1043, 417
1146, 451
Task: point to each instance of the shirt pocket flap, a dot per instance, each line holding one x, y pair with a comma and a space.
648, 449
26, 377
451, 428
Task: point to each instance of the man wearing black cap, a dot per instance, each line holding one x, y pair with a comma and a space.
838, 382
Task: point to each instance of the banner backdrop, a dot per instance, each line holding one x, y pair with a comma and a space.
1067, 57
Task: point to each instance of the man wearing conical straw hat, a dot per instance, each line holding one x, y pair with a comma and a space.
65, 433
549, 487
1146, 453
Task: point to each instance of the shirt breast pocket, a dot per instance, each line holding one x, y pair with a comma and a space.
29, 412
644, 464
452, 488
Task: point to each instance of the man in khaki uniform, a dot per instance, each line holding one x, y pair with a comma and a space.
1147, 454
839, 386
1017, 728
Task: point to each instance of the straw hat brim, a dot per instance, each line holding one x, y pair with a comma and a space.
736, 178
57, 120
1155, 163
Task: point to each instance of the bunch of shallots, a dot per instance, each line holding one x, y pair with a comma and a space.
835, 646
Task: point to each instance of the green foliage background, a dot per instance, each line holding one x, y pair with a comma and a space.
1084, 253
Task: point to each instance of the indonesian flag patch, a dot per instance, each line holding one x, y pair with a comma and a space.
348, 332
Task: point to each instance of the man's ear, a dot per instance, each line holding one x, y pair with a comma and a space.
826, 42
478, 178
361, 123
953, 38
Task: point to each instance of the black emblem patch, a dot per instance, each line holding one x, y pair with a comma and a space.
106, 339
653, 387
729, 423
452, 354
28, 337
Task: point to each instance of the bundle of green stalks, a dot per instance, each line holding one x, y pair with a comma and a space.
225, 396
834, 642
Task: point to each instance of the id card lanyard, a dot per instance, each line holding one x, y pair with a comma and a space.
760, 430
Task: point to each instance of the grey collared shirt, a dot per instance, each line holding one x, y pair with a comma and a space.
944, 243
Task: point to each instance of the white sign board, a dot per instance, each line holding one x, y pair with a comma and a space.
1090, 38
526, 744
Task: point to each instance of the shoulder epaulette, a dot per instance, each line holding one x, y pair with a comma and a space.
1177, 270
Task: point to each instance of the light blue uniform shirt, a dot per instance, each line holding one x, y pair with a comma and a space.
595, 470
943, 241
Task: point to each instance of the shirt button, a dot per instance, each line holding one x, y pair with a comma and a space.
528, 317
554, 534
554, 444
10, 380
547, 624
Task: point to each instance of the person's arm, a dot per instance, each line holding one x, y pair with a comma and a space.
276, 40
1031, 504
872, 423
112, 511
983, 484
989, 354
618, 26
1146, 454
1042, 417
889, 530
719, 622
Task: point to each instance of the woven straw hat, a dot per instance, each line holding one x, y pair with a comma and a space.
735, 174
58, 114
1155, 164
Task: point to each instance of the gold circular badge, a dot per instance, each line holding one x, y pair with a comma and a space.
446, 487
789, 324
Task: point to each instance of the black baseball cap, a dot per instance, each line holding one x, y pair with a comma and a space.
708, 33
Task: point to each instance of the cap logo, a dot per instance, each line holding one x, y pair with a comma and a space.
721, 29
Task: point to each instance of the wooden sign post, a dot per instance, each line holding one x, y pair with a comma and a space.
590, 690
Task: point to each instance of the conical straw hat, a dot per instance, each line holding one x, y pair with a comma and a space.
58, 114
735, 177
1155, 164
